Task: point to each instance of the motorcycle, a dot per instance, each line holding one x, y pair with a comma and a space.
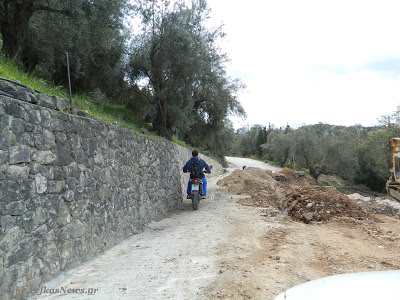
197, 191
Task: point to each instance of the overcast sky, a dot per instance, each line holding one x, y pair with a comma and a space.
310, 61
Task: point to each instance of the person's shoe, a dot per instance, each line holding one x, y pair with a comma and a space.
188, 196
203, 197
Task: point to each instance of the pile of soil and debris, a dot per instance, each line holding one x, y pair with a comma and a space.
303, 198
321, 203
287, 171
263, 189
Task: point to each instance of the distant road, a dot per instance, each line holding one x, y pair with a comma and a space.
239, 162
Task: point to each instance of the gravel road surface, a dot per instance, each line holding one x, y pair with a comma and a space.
239, 162
183, 255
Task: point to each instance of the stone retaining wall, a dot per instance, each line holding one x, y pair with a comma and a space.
72, 187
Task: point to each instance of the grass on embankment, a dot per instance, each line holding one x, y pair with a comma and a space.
108, 112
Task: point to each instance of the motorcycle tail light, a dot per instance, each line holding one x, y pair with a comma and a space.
195, 180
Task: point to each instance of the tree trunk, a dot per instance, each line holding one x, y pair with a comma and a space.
314, 171
161, 122
285, 157
14, 26
14, 23
12, 44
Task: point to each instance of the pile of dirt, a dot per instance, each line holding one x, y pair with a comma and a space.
322, 203
286, 171
263, 189
303, 198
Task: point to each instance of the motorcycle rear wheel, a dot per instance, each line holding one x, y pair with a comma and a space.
195, 200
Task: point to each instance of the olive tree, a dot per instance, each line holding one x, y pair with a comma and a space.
279, 146
176, 58
38, 33
15, 16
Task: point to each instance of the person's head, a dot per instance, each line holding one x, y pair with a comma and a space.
195, 153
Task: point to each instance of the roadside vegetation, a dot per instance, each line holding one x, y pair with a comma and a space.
135, 62
107, 111
356, 154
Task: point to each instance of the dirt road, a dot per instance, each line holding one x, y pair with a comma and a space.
239, 162
226, 250
176, 257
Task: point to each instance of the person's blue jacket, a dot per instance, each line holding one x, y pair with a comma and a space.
189, 168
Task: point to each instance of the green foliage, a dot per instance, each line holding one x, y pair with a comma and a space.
374, 157
321, 148
109, 112
172, 74
278, 146
223, 140
310, 150
356, 154
247, 142
261, 139
37, 34
369, 173
95, 46
178, 59
9, 70
178, 142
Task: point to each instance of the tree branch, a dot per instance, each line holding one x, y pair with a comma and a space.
54, 10
138, 91
198, 99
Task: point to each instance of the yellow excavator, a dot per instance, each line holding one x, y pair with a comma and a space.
393, 183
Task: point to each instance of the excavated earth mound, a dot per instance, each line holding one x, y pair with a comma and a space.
287, 171
320, 203
303, 198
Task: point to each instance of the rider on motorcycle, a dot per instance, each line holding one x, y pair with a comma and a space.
188, 167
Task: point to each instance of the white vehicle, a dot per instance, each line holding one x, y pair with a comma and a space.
366, 286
